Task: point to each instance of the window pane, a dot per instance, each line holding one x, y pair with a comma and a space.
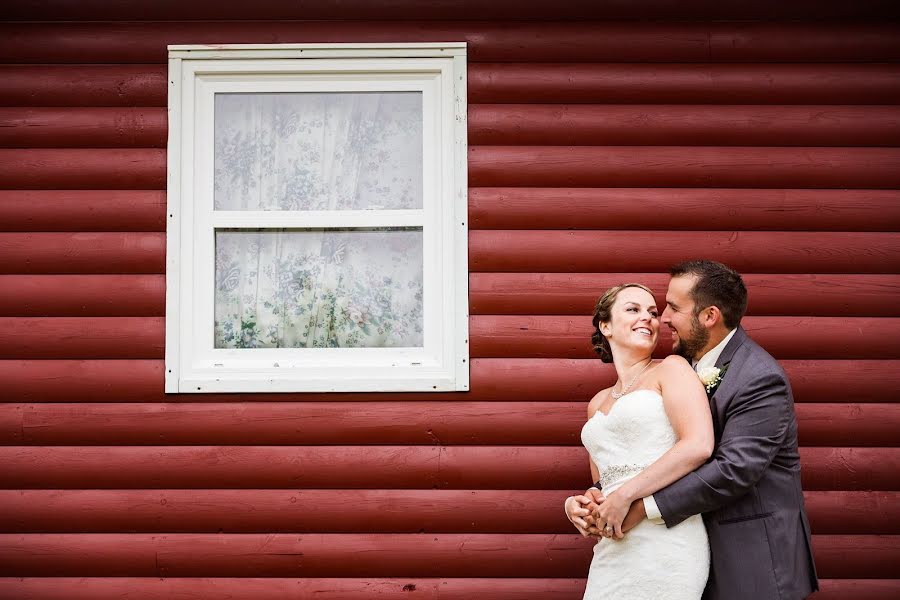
334, 288
318, 151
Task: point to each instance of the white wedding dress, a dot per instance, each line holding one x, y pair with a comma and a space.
653, 561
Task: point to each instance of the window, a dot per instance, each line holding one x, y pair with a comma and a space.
317, 218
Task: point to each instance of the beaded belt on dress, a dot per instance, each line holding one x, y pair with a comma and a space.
614, 473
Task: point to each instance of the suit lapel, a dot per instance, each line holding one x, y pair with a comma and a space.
731, 347
724, 363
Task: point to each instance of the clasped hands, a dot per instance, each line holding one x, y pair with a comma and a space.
594, 514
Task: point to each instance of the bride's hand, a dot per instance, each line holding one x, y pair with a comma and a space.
610, 514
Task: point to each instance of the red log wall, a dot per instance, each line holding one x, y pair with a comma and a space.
602, 149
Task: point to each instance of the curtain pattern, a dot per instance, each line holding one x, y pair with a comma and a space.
311, 151
319, 288
335, 287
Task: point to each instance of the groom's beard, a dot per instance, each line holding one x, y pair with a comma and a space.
691, 346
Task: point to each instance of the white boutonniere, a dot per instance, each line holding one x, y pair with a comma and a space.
711, 377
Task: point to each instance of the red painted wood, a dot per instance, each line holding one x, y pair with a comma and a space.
801, 42
146, 42
82, 127
74, 337
489, 293
827, 510
620, 83
362, 555
383, 511
770, 295
837, 380
510, 251
656, 251
377, 422
82, 380
120, 168
494, 380
271, 588
410, 10
82, 210
501, 336
94, 85
677, 209
597, 41
517, 124
869, 554
588, 166
115, 253
295, 511
243, 467
834, 469
849, 424
515, 208
373, 467
678, 166
83, 295
145, 85
686, 125
492, 336
306, 423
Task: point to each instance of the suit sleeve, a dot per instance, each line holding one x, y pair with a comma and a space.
756, 424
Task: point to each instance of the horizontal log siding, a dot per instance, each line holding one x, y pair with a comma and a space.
415, 422
63, 588
384, 511
620, 147
354, 588
363, 555
491, 336
494, 380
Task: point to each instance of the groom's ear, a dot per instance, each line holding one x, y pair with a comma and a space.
710, 316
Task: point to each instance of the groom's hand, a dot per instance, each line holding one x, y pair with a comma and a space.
578, 511
636, 514
596, 497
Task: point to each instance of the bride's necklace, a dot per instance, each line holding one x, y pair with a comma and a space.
616, 395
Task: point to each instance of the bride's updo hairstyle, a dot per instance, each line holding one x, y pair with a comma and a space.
603, 314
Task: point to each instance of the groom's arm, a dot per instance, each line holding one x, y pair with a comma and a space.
755, 428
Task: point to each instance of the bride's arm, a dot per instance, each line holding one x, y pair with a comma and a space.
687, 407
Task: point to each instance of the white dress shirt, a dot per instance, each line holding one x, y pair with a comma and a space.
707, 360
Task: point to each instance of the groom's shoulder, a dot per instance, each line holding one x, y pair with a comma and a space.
757, 359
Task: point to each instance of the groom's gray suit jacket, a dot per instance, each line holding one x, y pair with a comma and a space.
749, 491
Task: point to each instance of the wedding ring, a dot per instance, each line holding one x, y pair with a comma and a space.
608, 529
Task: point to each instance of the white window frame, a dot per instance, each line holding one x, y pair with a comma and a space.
196, 74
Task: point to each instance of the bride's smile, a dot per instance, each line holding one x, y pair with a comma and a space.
635, 321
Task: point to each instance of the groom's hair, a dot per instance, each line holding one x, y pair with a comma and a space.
717, 285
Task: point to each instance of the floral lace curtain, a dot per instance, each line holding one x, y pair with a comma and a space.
335, 287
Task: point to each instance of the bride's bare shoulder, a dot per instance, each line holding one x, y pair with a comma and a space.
675, 363
597, 401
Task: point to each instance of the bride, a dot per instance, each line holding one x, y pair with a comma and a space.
648, 430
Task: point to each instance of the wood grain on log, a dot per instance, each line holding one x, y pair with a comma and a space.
493, 380
376, 422
372, 467
363, 555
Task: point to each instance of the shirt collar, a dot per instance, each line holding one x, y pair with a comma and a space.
710, 358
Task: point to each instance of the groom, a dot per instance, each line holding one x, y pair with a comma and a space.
749, 490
